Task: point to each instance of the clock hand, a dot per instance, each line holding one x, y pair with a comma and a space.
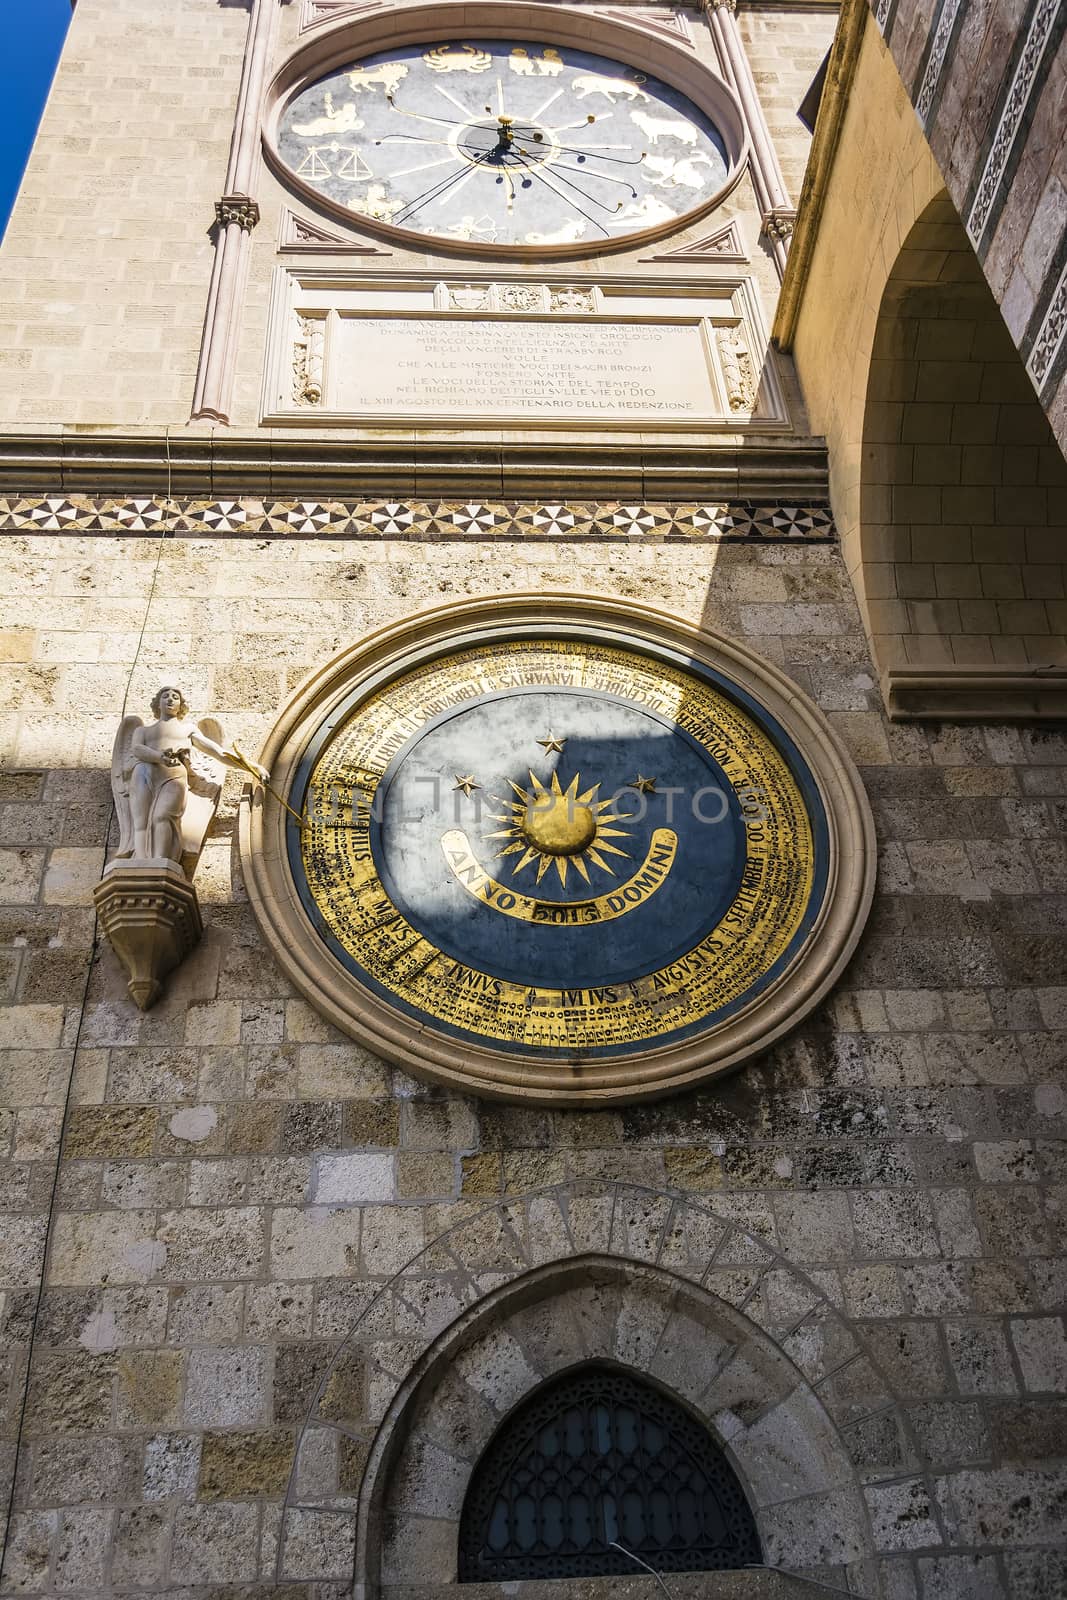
420, 116
605, 177
436, 190
411, 138
538, 172
533, 133
594, 150
568, 127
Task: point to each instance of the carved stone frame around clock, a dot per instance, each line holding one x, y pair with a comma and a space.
417, 22
496, 1072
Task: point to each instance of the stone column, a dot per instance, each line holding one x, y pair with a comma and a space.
236, 214
775, 210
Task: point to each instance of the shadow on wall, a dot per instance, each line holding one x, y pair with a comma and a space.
963, 537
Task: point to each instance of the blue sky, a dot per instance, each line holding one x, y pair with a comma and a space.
31, 37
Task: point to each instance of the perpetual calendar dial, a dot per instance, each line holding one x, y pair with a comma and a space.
492, 142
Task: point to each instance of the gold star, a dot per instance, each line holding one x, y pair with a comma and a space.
643, 785
551, 744
467, 783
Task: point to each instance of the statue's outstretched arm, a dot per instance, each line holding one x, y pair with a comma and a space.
228, 756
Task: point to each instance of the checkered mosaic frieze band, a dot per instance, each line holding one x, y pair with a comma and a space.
417, 519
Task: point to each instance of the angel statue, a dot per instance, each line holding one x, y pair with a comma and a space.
167, 777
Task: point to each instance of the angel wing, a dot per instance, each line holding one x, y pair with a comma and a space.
122, 765
206, 778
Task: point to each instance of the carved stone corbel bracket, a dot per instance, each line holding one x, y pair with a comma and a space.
151, 916
779, 223
238, 208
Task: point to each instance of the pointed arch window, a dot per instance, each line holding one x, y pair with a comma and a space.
596, 1460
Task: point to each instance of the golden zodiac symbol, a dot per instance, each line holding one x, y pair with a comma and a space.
334, 121
548, 65
313, 166
612, 89
388, 76
458, 58
472, 876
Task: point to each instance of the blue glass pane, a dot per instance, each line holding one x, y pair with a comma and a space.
500, 1526
633, 1521
579, 1522
525, 1514
659, 1504
626, 1430
575, 1433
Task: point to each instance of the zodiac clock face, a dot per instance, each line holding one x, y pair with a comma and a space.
561, 862
492, 142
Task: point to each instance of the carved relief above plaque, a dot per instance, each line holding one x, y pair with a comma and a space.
520, 353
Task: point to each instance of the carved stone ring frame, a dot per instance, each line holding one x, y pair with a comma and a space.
497, 1072
405, 24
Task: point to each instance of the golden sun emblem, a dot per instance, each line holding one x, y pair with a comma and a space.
558, 827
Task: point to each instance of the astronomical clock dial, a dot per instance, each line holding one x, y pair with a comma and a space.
578, 862
503, 143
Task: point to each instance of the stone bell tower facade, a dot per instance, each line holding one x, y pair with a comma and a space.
539, 1063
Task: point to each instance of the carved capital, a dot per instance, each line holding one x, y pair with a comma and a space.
779, 223
237, 208
721, 5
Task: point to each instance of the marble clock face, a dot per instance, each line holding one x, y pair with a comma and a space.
503, 142
558, 849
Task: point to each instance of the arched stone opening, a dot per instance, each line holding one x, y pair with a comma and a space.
778, 1438
879, 254
963, 531
650, 1281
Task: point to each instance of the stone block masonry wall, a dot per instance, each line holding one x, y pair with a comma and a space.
786, 46
237, 1180
106, 261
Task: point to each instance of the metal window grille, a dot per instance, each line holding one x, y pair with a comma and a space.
594, 1458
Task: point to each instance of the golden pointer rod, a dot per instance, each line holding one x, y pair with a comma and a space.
250, 769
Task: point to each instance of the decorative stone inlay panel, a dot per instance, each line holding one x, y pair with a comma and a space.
1049, 341
192, 517
1012, 116
534, 1285
515, 297
946, 22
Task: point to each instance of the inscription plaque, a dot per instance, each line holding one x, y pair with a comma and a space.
505, 352
473, 365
